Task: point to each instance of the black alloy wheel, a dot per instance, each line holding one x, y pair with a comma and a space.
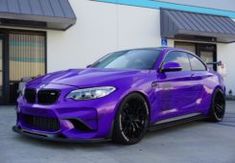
132, 120
218, 107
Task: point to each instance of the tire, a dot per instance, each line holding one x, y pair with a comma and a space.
131, 121
217, 109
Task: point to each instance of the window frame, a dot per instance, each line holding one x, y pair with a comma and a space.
146, 49
163, 60
200, 46
187, 53
26, 32
199, 59
4, 33
29, 32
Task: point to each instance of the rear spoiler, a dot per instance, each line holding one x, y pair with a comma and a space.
219, 63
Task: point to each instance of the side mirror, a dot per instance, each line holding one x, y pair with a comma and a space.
171, 67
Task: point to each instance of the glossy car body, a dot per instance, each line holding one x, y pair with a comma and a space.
169, 95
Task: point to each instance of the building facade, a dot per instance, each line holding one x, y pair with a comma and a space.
38, 37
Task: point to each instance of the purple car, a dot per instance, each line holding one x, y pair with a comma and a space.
120, 97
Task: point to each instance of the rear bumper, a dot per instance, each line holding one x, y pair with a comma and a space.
55, 137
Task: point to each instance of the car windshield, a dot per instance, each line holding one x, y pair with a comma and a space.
130, 59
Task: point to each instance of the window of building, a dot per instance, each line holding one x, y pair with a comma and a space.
186, 46
27, 58
26, 55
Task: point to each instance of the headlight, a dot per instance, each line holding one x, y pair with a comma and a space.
90, 93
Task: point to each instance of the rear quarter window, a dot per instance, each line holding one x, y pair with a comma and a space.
196, 64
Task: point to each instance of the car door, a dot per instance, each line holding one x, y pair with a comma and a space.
198, 79
174, 91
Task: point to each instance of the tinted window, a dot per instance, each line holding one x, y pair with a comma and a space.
131, 59
179, 57
196, 64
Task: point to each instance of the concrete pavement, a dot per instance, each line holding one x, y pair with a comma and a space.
197, 142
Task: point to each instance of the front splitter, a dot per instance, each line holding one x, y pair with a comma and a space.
56, 138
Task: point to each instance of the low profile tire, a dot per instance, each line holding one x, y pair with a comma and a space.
131, 121
217, 109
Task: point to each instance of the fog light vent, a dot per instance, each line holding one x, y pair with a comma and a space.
80, 125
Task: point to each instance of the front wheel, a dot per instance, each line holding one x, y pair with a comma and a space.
132, 120
217, 109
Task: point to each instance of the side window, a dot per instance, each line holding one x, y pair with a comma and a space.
179, 57
196, 64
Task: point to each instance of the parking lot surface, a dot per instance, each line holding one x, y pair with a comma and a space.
196, 142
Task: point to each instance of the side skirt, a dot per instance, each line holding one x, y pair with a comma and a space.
176, 121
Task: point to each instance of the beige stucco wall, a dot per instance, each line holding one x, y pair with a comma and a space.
101, 28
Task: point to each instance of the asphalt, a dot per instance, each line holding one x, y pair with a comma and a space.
197, 142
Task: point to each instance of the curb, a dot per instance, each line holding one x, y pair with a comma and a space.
231, 98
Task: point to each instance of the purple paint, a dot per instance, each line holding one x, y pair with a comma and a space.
169, 94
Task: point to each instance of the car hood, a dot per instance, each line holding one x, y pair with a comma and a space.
88, 77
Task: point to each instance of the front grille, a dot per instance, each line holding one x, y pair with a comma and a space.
47, 97
42, 123
44, 96
30, 95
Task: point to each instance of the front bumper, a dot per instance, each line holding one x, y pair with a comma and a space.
67, 118
73, 122
77, 121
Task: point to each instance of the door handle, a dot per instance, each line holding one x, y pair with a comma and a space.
196, 77
154, 84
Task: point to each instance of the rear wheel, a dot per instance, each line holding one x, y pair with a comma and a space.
132, 120
217, 110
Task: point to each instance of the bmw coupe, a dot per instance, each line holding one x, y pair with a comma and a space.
120, 97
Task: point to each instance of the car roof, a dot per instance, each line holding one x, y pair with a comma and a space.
147, 48
157, 48
167, 49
